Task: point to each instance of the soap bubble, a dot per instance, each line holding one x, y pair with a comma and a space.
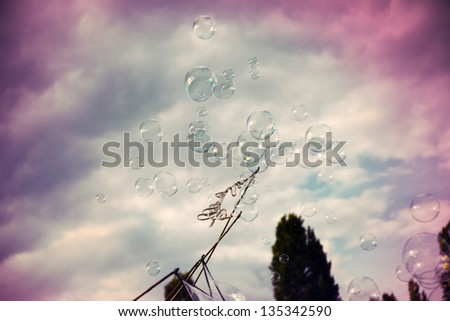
330, 217
206, 182
270, 188
260, 124
278, 156
153, 268
144, 187
202, 111
254, 74
228, 74
422, 257
251, 195
325, 175
136, 163
100, 198
316, 138
424, 208
368, 241
194, 185
200, 83
266, 240
224, 88
150, 131
199, 144
308, 208
249, 213
228, 292
299, 113
275, 277
218, 151
165, 183
197, 127
253, 62
363, 289
402, 273
283, 258
204, 27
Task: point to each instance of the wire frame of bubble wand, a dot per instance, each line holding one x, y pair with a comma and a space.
206, 257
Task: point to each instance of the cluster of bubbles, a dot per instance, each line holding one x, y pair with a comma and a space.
200, 83
165, 184
426, 259
194, 185
152, 268
363, 289
254, 71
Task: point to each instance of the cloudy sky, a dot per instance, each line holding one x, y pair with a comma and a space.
77, 74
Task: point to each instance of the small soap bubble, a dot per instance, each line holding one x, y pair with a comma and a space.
228, 74
202, 111
325, 175
254, 74
153, 268
266, 240
402, 273
200, 83
275, 277
206, 182
165, 183
363, 289
424, 208
270, 188
253, 62
150, 131
250, 196
300, 113
368, 241
330, 217
204, 27
249, 213
199, 143
136, 163
260, 124
100, 198
194, 185
144, 187
318, 138
283, 258
224, 88
197, 127
218, 151
278, 156
308, 208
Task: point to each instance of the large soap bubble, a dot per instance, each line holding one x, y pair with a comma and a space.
204, 27
424, 208
260, 124
316, 138
363, 289
200, 83
422, 257
150, 131
165, 183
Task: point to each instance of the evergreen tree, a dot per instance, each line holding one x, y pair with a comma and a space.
414, 292
306, 276
182, 295
389, 297
444, 242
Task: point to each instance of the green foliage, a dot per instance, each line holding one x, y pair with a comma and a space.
414, 292
182, 295
307, 274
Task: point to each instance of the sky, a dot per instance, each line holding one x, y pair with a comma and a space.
78, 74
